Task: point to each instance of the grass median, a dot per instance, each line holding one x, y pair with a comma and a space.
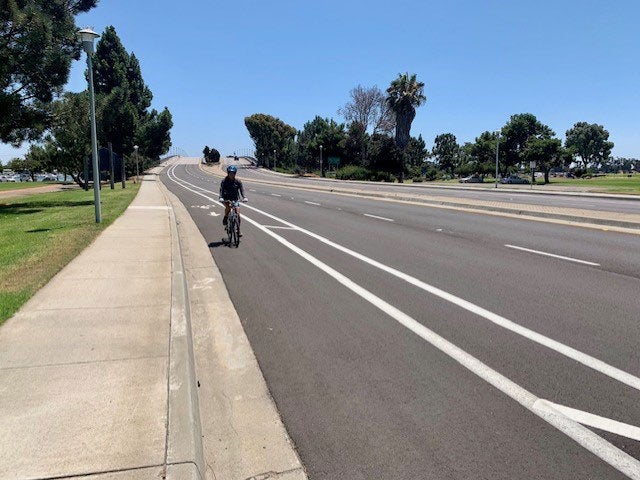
41, 233
611, 183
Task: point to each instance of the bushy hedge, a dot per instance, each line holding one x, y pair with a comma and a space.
354, 172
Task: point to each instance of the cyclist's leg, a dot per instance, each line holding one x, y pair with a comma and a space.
227, 209
238, 220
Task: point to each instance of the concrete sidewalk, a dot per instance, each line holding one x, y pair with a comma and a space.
98, 370
88, 367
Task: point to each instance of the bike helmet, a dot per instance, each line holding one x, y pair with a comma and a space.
232, 168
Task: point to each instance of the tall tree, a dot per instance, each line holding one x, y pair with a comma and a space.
368, 106
37, 45
153, 136
515, 134
416, 151
546, 152
110, 63
355, 145
589, 142
404, 95
124, 100
446, 152
206, 151
483, 153
322, 131
139, 93
383, 153
71, 133
269, 133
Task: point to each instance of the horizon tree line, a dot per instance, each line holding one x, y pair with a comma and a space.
365, 143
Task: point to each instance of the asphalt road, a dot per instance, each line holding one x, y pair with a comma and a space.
404, 342
521, 195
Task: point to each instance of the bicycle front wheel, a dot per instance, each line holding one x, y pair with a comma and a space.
236, 229
230, 230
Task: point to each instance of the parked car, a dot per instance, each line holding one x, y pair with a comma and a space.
472, 179
513, 179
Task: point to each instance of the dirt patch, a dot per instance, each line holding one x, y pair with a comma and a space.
23, 192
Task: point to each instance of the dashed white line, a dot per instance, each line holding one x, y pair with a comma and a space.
275, 195
313, 203
546, 254
379, 218
597, 445
570, 352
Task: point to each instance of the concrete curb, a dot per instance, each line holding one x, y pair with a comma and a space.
467, 206
503, 189
243, 435
184, 457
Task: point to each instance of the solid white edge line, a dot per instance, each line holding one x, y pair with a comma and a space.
379, 218
313, 203
591, 420
570, 352
546, 254
580, 434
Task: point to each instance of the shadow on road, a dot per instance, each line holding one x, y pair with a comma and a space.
221, 243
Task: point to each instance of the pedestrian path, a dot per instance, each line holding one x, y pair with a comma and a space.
84, 365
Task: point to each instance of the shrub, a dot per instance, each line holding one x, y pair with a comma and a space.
353, 172
382, 177
416, 179
431, 174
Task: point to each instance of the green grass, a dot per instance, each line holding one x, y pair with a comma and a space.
612, 183
41, 233
20, 185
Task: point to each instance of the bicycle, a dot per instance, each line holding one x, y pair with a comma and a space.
233, 225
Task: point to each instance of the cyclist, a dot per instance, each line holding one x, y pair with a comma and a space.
231, 191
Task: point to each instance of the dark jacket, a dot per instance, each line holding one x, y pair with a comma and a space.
231, 189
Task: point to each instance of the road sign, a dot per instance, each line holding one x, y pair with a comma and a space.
334, 161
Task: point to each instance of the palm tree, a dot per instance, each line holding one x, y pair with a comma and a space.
403, 96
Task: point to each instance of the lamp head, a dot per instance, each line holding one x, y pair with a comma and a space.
87, 36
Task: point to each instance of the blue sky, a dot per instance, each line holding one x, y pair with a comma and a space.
213, 63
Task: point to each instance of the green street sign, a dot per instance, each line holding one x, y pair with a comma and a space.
334, 161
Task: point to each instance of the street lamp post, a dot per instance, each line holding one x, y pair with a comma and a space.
87, 36
274, 159
497, 148
321, 171
135, 148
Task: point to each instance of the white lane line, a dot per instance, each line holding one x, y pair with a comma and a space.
546, 254
379, 218
580, 434
280, 227
275, 195
591, 420
567, 351
313, 203
251, 190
